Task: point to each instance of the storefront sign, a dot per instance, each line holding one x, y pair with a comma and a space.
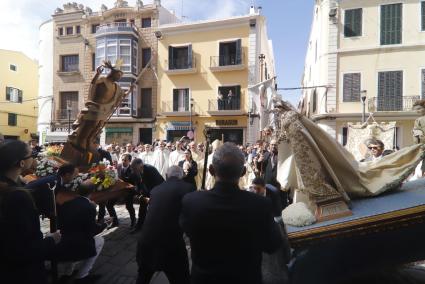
119, 130
226, 122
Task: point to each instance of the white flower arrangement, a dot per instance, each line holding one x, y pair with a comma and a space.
46, 167
298, 215
77, 181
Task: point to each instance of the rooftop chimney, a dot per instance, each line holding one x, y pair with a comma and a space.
252, 10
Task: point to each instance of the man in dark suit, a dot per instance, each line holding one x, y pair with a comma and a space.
124, 173
161, 246
268, 163
41, 188
259, 187
228, 228
144, 178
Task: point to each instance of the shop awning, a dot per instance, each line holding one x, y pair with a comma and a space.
119, 130
178, 125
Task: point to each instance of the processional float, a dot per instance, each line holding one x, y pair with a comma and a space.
350, 222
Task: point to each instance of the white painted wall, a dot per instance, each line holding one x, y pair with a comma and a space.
45, 72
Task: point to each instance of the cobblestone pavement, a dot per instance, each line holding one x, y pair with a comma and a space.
117, 261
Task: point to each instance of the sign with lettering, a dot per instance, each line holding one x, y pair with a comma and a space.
225, 122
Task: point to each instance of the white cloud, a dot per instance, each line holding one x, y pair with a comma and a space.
20, 19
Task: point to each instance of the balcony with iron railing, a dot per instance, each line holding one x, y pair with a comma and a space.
118, 27
180, 66
65, 114
231, 62
405, 103
170, 108
225, 106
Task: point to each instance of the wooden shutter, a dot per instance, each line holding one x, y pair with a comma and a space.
423, 15
189, 56
353, 22
170, 58
186, 99
239, 51
20, 95
8, 91
423, 83
175, 100
351, 87
221, 55
391, 24
390, 91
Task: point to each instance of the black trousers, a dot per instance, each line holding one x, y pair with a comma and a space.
109, 205
173, 262
111, 210
142, 213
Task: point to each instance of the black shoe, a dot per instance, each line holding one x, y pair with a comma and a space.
89, 279
64, 279
114, 223
133, 223
135, 230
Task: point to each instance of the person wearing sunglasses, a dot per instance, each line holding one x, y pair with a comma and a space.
22, 246
376, 149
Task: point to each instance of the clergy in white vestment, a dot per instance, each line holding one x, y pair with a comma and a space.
148, 155
177, 155
210, 180
160, 159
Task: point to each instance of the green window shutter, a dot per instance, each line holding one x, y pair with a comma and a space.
8, 91
391, 24
175, 100
423, 15
238, 52
170, 58
353, 22
189, 56
20, 95
390, 91
186, 99
423, 83
351, 87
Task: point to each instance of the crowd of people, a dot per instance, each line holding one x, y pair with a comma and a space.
166, 179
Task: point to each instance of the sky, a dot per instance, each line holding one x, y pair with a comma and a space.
288, 23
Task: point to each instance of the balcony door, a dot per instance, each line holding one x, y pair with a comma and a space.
229, 98
146, 102
68, 99
181, 100
180, 57
230, 53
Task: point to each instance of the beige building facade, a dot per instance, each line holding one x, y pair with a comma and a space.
365, 50
81, 40
205, 71
18, 103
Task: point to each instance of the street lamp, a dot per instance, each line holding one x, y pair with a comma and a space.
261, 57
68, 110
190, 125
363, 97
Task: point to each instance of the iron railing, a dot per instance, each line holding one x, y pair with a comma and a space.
227, 60
63, 114
404, 103
180, 63
233, 103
